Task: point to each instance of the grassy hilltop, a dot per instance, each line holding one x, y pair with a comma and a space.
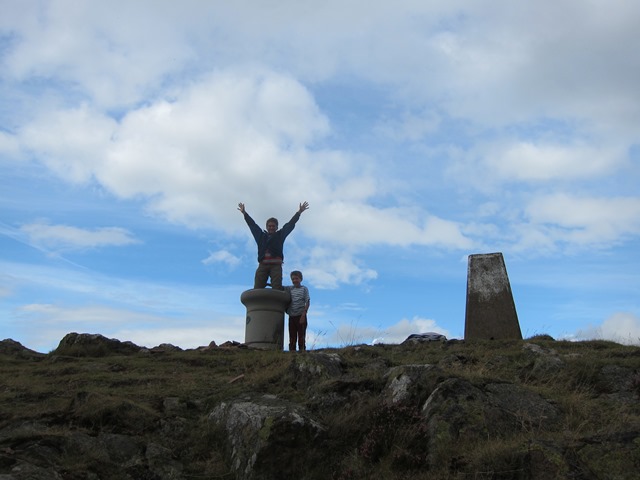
99, 411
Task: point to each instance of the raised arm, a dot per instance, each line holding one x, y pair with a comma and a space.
256, 231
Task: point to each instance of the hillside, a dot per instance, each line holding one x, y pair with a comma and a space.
535, 409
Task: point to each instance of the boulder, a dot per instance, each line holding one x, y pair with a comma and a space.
259, 431
310, 368
544, 362
425, 338
619, 383
612, 455
410, 383
107, 449
93, 345
165, 348
458, 408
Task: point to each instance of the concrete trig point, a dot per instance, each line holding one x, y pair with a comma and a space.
265, 317
491, 312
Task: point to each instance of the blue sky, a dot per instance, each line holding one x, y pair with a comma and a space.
420, 132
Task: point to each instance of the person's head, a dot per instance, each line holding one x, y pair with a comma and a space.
272, 225
296, 277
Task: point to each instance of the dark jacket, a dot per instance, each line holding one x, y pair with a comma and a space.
275, 242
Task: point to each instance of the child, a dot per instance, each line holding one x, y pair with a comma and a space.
297, 311
270, 247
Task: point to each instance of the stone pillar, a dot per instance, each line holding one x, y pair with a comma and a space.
491, 312
265, 317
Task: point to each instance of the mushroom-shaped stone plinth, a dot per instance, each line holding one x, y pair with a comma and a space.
265, 317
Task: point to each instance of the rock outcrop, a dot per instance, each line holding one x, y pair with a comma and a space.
262, 431
11, 348
93, 345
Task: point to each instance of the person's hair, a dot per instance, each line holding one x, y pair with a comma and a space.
296, 272
272, 220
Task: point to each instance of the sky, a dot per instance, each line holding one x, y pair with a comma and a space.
419, 131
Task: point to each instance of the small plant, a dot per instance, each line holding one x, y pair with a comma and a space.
315, 339
348, 336
635, 383
398, 431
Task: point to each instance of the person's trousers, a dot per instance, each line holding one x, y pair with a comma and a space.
297, 332
266, 271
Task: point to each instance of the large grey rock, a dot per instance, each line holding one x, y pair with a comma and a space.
410, 383
611, 456
310, 368
29, 471
262, 430
113, 449
424, 338
617, 379
458, 408
161, 462
93, 345
545, 362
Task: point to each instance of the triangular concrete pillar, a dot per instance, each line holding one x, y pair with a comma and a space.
491, 311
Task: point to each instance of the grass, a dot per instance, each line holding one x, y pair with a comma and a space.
366, 438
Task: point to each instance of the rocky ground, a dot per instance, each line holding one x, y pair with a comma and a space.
98, 408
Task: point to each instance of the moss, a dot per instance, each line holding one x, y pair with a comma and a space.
265, 431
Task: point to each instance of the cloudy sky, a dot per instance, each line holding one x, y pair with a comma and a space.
419, 131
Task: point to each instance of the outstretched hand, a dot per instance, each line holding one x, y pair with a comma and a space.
303, 207
241, 208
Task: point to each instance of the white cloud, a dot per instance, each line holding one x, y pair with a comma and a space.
209, 126
80, 287
100, 316
192, 108
72, 143
65, 237
50, 323
187, 336
535, 238
113, 53
5, 291
582, 220
401, 330
329, 267
354, 333
527, 161
622, 327
411, 126
221, 256
236, 131
494, 64
9, 146
510, 62
360, 224
55, 321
